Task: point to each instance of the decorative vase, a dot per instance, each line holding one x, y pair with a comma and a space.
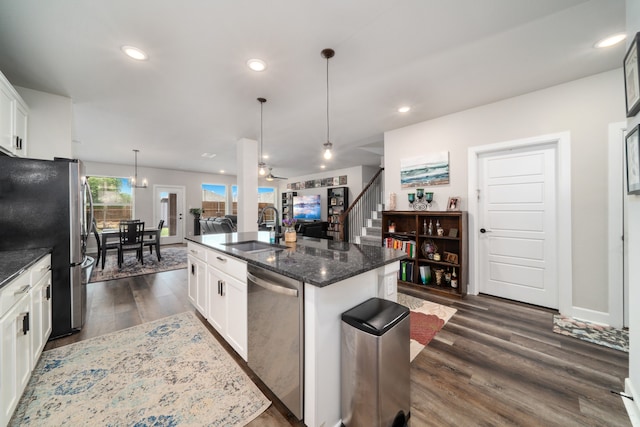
290, 234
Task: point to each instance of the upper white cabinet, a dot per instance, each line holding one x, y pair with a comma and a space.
14, 117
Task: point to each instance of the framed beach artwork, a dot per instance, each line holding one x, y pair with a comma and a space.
430, 169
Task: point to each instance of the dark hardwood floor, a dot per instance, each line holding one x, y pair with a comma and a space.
495, 363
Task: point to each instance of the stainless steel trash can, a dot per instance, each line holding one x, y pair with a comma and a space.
375, 382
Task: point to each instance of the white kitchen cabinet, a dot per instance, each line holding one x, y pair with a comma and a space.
14, 115
222, 281
40, 307
197, 283
228, 308
15, 353
25, 326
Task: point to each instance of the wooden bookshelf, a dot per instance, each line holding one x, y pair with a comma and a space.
412, 226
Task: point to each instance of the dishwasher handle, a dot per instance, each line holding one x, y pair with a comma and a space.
272, 286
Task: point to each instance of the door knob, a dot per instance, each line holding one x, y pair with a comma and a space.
482, 230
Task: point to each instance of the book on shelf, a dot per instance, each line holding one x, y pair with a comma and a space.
405, 244
406, 271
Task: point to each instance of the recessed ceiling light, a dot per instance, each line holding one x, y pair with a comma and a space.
322, 166
221, 170
404, 109
265, 156
208, 155
611, 40
257, 64
135, 53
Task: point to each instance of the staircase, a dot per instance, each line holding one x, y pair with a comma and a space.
371, 234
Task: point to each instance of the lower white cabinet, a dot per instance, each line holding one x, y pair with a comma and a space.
218, 290
25, 326
198, 283
228, 308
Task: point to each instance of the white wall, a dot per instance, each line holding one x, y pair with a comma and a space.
633, 238
583, 107
50, 124
143, 202
357, 178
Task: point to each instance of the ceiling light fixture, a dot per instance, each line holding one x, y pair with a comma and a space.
610, 41
257, 64
327, 53
261, 164
404, 109
135, 53
134, 179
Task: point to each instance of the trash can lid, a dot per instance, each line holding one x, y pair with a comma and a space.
375, 316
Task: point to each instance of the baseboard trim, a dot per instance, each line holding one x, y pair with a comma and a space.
593, 316
633, 410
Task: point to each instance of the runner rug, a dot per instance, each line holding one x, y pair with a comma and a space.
592, 332
425, 320
173, 258
169, 372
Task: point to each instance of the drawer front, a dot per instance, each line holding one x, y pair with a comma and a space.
40, 269
197, 251
14, 291
228, 265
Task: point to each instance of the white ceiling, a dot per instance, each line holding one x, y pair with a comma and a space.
195, 94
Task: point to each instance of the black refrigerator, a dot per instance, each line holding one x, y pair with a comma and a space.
46, 204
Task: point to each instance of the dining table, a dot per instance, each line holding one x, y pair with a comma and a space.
114, 233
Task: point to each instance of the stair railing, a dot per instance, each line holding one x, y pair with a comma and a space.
354, 218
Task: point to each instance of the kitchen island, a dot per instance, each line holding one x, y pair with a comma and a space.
336, 277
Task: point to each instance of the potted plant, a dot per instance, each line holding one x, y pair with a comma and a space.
195, 212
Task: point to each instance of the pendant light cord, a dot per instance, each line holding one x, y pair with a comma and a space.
328, 100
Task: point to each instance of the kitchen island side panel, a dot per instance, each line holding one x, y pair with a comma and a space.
323, 309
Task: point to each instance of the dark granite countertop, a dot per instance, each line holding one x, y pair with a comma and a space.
13, 262
319, 262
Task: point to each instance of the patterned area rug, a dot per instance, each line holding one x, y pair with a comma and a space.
173, 258
425, 320
170, 372
592, 332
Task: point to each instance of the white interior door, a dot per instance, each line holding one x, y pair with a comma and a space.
517, 224
169, 206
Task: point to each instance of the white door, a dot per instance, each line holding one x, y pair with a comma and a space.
517, 211
169, 206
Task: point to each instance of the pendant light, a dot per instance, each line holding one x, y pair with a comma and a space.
327, 53
261, 165
134, 180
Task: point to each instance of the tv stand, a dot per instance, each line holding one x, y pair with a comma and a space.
313, 229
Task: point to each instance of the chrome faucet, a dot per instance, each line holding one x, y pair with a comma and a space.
277, 227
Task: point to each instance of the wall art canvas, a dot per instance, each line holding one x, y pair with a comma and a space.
431, 169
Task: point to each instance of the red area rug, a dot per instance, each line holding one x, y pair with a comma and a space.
426, 320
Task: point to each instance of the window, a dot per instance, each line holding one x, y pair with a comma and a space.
266, 197
214, 200
112, 200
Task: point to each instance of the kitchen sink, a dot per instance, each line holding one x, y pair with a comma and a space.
254, 246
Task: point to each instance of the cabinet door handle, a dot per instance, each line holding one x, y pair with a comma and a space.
25, 323
221, 288
219, 258
193, 269
22, 290
48, 292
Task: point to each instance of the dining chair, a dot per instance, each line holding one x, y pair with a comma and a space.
154, 240
108, 246
131, 239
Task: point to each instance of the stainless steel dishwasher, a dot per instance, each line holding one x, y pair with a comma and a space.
275, 351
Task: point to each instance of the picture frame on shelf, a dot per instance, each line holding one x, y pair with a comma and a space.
453, 204
632, 77
453, 232
451, 257
633, 160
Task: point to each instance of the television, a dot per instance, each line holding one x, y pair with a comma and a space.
307, 208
